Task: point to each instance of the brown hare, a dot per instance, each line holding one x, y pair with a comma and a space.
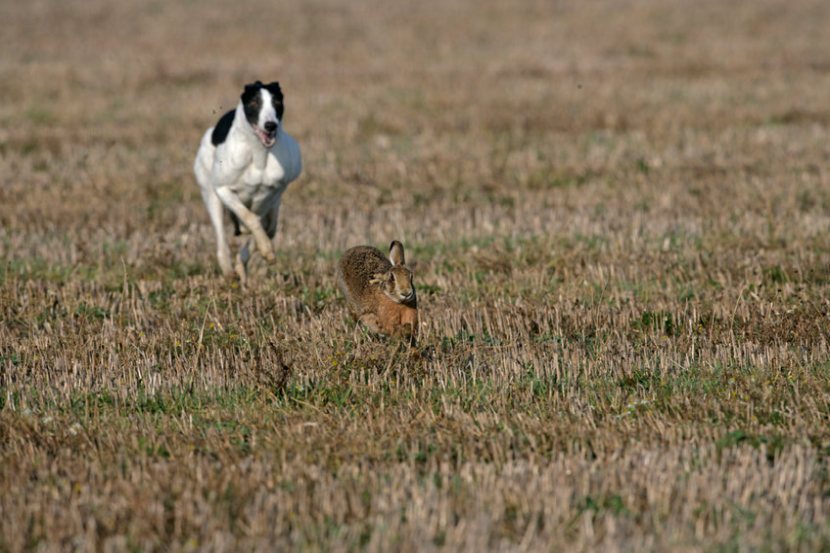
379, 291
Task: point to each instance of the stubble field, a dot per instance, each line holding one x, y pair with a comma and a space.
618, 214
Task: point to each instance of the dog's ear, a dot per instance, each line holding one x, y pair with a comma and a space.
274, 89
250, 91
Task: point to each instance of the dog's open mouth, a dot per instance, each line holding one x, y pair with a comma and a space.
267, 138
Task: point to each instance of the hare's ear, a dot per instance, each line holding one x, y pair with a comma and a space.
379, 278
396, 253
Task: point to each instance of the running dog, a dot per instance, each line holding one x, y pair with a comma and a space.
243, 166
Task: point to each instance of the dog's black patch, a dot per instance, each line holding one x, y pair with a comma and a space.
222, 128
252, 101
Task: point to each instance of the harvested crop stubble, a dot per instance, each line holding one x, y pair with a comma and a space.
618, 215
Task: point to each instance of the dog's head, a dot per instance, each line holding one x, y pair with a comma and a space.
263, 105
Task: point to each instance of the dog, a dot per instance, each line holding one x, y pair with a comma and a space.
243, 166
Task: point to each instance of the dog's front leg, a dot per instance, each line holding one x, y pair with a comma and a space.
215, 210
250, 219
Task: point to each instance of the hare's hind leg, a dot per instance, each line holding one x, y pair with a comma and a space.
371, 322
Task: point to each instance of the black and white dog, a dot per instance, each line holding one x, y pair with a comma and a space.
244, 164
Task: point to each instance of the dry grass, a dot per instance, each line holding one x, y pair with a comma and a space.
618, 214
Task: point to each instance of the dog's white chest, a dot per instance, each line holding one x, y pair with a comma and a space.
257, 177
268, 173
259, 188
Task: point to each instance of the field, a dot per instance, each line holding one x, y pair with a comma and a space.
618, 214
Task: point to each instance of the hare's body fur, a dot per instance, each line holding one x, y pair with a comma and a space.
386, 304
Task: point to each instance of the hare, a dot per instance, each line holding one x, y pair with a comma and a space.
379, 291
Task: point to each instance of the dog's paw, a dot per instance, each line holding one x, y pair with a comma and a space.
242, 274
227, 270
225, 264
266, 251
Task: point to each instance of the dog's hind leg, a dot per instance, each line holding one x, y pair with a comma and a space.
216, 211
269, 222
242, 262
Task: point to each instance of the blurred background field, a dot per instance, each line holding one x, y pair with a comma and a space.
618, 214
